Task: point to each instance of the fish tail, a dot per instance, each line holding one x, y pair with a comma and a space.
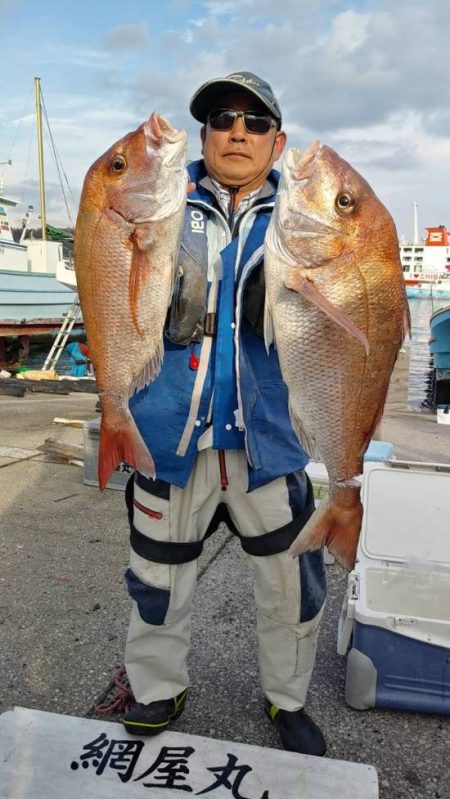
336, 524
122, 445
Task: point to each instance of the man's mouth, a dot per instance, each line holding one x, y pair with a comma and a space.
236, 153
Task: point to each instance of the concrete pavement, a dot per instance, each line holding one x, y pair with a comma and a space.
64, 609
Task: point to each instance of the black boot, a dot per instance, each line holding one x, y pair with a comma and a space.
155, 717
298, 732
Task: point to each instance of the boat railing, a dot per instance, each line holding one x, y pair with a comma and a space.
65, 270
69, 261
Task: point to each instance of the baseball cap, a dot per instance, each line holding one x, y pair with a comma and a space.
204, 98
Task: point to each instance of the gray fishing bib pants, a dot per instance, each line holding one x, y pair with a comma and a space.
168, 525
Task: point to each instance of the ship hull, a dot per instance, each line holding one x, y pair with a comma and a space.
30, 298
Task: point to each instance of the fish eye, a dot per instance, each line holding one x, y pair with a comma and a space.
345, 202
118, 163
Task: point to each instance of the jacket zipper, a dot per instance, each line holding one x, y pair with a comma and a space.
223, 470
244, 218
233, 191
198, 385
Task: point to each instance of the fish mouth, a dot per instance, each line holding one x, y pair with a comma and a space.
163, 140
301, 165
296, 212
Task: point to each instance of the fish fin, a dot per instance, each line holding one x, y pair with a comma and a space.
269, 336
298, 281
149, 372
307, 441
123, 445
139, 272
380, 410
406, 320
375, 423
333, 526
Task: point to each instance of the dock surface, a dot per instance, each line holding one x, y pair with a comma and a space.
64, 608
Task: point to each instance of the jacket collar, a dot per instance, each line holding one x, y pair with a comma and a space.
203, 191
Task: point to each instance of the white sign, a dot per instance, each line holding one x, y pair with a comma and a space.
48, 756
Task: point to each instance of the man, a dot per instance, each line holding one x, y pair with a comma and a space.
217, 423
78, 353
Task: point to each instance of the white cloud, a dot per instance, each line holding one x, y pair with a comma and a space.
369, 79
349, 31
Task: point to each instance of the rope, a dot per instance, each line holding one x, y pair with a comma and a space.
122, 698
17, 130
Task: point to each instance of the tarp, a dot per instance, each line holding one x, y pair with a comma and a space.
55, 234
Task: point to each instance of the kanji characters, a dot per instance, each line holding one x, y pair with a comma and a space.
118, 755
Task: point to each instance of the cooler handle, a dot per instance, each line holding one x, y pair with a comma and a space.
345, 623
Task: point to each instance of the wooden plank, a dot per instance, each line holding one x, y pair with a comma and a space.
11, 390
37, 386
46, 387
87, 386
68, 422
62, 449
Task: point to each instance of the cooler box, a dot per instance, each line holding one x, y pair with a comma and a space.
91, 440
396, 613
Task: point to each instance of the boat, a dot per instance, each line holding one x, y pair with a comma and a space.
426, 266
439, 345
33, 301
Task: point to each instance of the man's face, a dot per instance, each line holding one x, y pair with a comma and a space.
235, 157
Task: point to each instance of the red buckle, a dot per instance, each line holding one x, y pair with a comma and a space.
194, 362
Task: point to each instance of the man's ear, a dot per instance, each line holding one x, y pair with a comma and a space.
203, 135
280, 143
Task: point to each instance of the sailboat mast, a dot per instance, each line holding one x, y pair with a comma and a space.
37, 86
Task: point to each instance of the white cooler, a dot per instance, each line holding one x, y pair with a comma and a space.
396, 614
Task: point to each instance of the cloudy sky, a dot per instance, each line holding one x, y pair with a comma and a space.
371, 78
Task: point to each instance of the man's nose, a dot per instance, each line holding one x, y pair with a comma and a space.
238, 131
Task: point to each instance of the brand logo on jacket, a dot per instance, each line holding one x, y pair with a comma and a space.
197, 221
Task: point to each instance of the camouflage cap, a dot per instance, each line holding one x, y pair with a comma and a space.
204, 98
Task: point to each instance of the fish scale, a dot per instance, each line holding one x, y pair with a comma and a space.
127, 239
337, 311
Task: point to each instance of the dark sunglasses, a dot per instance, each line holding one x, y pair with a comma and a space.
224, 119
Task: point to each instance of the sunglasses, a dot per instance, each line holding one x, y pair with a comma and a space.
224, 119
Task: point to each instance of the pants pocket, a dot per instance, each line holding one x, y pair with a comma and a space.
307, 645
277, 588
152, 602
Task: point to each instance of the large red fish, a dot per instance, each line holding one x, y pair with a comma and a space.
337, 310
126, 244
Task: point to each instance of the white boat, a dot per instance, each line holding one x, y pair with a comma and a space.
426, 266
33, 299
30, 292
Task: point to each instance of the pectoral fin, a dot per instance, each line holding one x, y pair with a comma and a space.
298, 281
140, 270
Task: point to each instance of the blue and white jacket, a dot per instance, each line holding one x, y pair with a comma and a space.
227, 377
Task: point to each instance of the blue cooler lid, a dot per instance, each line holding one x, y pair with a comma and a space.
406, 513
